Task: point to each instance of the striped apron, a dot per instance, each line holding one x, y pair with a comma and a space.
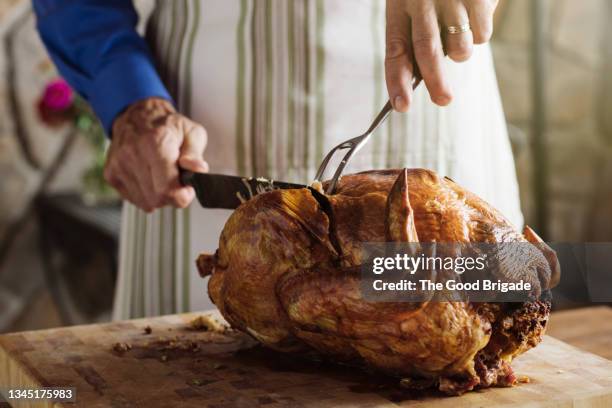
277, 83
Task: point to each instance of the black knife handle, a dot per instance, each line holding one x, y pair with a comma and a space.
185, 177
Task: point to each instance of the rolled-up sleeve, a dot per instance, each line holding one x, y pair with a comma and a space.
96, 48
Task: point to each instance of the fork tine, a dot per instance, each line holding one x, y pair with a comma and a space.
324, 163
353, 145
344, 145
334, 181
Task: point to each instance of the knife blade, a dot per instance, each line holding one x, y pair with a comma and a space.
223, 191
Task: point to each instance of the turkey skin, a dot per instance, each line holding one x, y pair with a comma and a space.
287, 272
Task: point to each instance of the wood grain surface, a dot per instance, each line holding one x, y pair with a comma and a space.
589, 329
176, 365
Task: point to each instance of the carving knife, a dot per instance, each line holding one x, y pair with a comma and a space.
223, 191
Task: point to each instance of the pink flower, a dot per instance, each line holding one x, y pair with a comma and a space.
58, 96
55, 106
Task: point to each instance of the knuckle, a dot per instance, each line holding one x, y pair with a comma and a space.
174, 120
483, 34
395, 48
151, 142
394, 68
425, 48
159, 133
418, 7
461, 51
481, 5
164, 141
166, 120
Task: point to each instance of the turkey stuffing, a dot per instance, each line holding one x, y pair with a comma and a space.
287, 272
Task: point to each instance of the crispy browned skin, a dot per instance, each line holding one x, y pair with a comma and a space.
287, 273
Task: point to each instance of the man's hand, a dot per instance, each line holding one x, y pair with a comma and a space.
150, 141
417, 30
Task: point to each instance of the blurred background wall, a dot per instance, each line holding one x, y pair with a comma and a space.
577, 96
573, 132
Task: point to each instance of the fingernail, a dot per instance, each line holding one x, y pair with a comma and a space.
399, 103
443, 100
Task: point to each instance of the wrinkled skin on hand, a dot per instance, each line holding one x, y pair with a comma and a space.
287, 273
150, 142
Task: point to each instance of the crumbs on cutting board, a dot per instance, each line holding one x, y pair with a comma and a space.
162, 345
207, 323
121, 347
523, 379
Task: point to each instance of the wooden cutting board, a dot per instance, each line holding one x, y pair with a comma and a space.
177, 365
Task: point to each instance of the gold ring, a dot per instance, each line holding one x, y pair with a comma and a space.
458, 29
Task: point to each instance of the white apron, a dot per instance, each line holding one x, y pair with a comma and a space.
277, 83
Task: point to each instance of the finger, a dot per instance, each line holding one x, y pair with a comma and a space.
458, 46
136, 194
131, 193
118, 171
399, 66
134, 186
428, 52
192, 150
168, 186
165, 153
481, 19
124, 192
181, 197
112, 177
144, 177
191, 158
137, 167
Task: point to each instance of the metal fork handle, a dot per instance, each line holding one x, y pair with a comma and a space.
380, 118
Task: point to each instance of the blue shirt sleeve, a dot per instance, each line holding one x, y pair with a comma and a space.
96, 48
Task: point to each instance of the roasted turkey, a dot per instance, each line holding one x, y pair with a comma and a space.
287, 273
